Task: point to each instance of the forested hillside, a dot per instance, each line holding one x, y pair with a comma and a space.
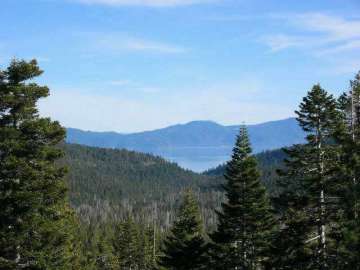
116, 175
106, 180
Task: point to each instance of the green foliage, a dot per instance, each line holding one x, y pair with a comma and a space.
127, 244
117, 175
245, 222
184, 247
309, 199
105, 183
268, 163
35, 222
348, 138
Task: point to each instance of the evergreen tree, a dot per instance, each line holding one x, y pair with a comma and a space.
245, 223
348, 137
103, 253
88, 253
288, 248
184, 248
149, 249
35, 222
310, 198
127, 244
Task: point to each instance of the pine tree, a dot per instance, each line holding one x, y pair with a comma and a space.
288, 247
348, 137
127, 244
89, 237
148, 247
310, 198
184, 248
245, 222
34, 218
105, 258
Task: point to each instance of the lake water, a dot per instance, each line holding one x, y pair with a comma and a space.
198, 163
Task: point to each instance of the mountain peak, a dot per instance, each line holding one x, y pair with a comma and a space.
202, 123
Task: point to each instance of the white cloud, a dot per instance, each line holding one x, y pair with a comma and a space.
323, 33
147, 45
347, 46
335, 27
150, 3
118, 43
280, 42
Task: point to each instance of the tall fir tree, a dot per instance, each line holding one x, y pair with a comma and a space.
310, 199
105, 258
289, 249
245, 222
35, 221
149, 247
348, 137
185, 247
128, 244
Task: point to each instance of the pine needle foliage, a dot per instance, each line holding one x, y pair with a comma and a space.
245, 222
184, 248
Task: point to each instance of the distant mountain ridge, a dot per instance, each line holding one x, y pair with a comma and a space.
197, 145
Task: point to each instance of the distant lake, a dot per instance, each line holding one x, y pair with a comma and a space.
198, 163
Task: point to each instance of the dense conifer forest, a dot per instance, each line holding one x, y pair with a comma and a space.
75, 207
105, 182
109, 182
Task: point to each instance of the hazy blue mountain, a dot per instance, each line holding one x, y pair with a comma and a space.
197, 145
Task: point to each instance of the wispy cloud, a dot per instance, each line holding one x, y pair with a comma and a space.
337, 28
321, 32
119, 43
347, 46
149, 3
278, 42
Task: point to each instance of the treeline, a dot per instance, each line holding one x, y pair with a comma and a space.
310, 221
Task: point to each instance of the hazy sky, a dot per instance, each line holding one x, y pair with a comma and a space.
131, 65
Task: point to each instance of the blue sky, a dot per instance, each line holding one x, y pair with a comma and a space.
132, 65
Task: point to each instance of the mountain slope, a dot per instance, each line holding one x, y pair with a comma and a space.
107, 183
117, 175
197, 145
